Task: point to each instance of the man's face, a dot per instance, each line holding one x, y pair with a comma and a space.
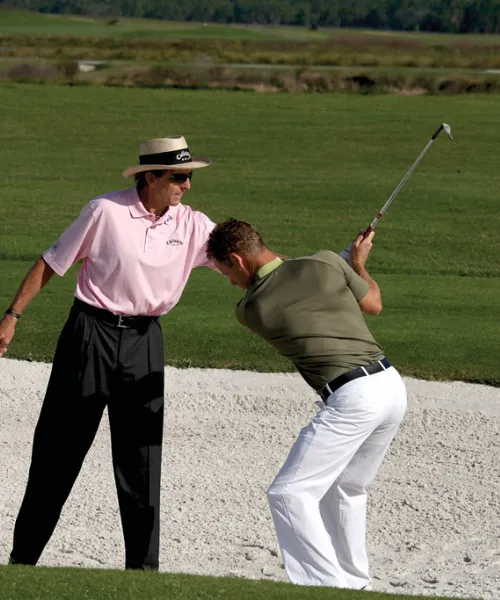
236, 273
172, 185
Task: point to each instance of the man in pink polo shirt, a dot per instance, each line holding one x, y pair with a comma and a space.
138, 248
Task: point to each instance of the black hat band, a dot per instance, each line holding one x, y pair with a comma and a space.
177, 157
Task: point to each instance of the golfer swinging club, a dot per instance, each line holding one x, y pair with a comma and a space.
310, 309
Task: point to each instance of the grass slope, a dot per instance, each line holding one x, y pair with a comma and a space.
38, 583
33, 23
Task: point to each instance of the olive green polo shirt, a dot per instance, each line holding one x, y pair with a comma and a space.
308, 309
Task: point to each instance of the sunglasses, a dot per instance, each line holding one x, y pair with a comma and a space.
180, 177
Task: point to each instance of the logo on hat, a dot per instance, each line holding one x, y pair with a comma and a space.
184, 155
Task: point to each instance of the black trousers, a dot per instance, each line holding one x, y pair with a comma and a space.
96, 365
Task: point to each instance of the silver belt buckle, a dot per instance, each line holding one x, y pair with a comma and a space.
120, 323
326, 392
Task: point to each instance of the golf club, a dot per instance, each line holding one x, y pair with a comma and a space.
443, 126
345, 254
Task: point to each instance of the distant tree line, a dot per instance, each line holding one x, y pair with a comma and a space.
453, 16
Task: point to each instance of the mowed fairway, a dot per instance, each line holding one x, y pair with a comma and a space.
309, 171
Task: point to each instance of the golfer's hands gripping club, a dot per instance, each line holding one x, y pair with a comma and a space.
346, 252
361, 248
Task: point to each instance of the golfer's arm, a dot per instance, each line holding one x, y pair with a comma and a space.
36, 278
371, 304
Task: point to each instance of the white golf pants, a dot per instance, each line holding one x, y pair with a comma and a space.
318, 499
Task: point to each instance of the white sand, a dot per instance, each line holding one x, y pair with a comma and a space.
434, 512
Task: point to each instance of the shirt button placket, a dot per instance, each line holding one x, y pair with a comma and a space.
149, 238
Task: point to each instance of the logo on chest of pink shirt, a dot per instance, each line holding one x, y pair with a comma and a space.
174, 242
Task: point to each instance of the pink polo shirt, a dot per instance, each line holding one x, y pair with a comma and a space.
133, 264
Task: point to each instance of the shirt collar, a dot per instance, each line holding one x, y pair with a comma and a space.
268, 268
137, 209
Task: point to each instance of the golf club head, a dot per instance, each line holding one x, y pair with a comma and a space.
447, 129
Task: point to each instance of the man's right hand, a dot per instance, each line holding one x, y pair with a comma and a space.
361, 248
371, 304
7, 330
35, 280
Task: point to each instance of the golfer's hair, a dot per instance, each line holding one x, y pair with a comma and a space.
233, 236
140, 178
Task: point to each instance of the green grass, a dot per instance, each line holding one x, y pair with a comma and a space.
33, 23
309, 171
38, 583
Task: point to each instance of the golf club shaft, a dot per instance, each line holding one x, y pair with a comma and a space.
443, 127
400, 185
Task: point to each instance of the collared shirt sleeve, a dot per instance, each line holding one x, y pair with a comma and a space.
204, 226
74, 244
357, 285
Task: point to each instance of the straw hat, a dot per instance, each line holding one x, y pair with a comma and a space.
166, 153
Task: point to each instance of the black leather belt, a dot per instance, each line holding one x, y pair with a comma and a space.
334, 384
120, 321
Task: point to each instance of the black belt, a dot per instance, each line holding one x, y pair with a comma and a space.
334, 384
121, 321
